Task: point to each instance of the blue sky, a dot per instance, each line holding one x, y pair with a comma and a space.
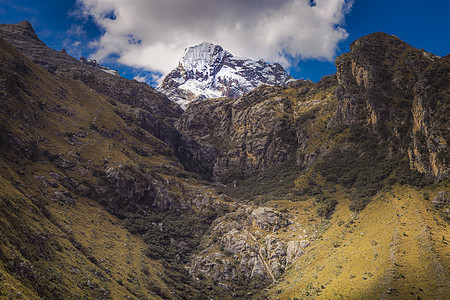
61, 25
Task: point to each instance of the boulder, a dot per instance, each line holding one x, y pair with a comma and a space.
442, 198
268, 219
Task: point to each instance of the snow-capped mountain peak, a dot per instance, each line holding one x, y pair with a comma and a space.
202, 58
208, 71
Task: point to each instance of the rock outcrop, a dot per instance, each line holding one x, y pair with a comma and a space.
266, 218
397, 90
442, 202
248, 247
259, 130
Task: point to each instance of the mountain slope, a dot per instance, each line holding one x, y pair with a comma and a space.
75, 172
96, 200
208, 71
152, 111
397, 248
340, 144
43, 246
386, 104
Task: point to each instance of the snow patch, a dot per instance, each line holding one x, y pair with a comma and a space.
110, 71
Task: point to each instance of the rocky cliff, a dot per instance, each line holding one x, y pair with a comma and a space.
259, 130
397, 90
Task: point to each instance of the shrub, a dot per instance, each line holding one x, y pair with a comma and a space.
326, 205
365, 168
276, 182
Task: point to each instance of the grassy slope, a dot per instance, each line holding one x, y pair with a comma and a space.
53, 247
64, 248
396, 247
81, 250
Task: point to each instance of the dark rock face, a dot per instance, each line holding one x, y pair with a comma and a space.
429, 150
376, 79
131, 188
395, 89
257, 131
245, 130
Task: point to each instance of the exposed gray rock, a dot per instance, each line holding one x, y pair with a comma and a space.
293, 250
245, 246
268, 219
442, 199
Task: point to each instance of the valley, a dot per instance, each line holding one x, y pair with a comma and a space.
327, 190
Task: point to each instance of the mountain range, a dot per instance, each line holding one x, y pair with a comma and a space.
290, 190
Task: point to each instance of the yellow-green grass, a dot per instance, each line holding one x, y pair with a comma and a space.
51, 248
79, 250
397, 247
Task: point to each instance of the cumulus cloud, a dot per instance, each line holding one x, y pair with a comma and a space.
72, 43
148, 78
152, 34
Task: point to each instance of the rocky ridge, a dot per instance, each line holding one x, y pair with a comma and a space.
398, 90
150, 109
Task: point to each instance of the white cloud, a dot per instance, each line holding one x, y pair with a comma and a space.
140, 78
152, 34
148, 78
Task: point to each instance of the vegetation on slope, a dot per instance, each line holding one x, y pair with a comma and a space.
66, 156
324, 157
95, 201
395, 248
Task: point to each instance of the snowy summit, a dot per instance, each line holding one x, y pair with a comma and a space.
208, 71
